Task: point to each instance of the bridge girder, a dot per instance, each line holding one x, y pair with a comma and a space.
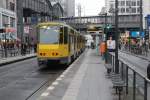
125, 21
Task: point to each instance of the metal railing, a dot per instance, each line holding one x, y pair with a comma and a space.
137, 84
15, 51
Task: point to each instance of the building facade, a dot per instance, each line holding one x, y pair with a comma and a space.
129, 7
68, 7
8, 20
33, 12
8, 13
125, 7
146, 10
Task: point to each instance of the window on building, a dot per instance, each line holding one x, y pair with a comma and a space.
119, 10
128, 3
119, 3
127, 10
133, 10
122, 3
122, 10
12, 6
7, 6
138, 9
12, 22
138, 3
5, 21
133, 3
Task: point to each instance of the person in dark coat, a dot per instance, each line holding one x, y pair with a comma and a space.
148, 71
35, 48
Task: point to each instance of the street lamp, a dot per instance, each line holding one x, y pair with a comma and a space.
116, 37
20, 25
105, 29
130, 11
141, 16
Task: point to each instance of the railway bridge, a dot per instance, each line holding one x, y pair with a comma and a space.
126, 22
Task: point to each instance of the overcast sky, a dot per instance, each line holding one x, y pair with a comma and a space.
90, 7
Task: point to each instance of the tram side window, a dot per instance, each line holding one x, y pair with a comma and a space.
61, 35
38, 35
65, 35
72, 35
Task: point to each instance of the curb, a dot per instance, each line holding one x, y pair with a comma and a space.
136, 55
17, 59
57, 82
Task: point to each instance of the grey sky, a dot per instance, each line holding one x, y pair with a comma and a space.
90, 7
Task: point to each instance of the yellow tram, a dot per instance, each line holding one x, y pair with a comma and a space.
58, 42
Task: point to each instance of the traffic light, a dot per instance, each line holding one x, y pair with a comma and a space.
146, 34
108, 26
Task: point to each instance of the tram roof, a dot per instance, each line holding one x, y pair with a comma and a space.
57, 23
54, 23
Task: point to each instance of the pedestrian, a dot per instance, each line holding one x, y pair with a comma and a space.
22, 49
148, 71
35, 48
111, 45
103, 49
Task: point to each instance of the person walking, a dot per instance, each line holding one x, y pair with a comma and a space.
35, 48
111, 45
103, 49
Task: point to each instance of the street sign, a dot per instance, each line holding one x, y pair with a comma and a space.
136, 34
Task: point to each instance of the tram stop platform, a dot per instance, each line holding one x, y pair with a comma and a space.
85, 79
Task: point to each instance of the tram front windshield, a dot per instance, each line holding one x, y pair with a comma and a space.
49, 34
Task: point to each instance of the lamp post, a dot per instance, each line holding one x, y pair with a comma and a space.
141, 16
106, 59
20, 25
130, 12
116, 37
147, 33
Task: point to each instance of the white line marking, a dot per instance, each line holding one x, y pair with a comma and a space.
64, 73
55, 83
59, 79
45, 94
62, 76
51, 88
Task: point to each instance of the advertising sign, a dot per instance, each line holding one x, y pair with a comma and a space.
26, 29
136, 34
148, 20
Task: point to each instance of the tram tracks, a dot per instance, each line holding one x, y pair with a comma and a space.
23, 80
43, 86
